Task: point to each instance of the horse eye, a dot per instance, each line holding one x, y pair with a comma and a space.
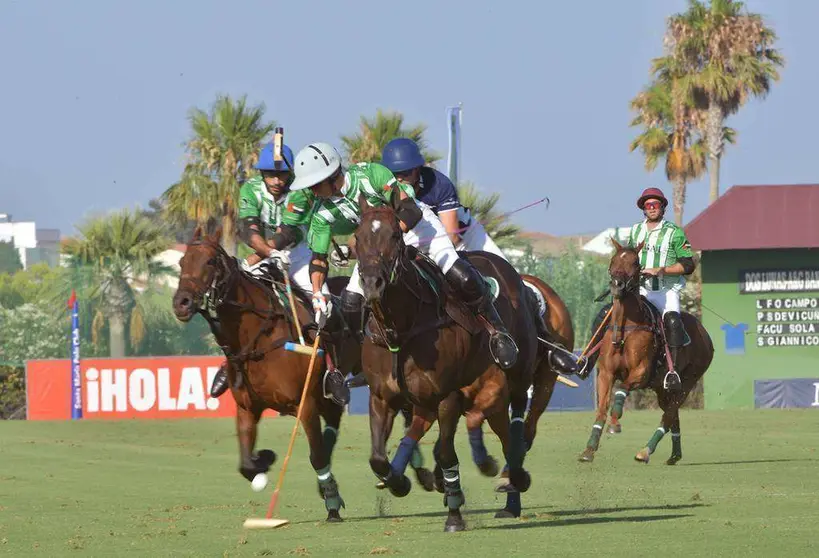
212, 261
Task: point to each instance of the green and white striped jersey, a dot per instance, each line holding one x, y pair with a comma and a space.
341, 214
255, 200
664, 245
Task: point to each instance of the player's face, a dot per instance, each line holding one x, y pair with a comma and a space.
276, 181
410, 177
653, 209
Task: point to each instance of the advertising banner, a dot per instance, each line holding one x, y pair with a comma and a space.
129, 388
792, 393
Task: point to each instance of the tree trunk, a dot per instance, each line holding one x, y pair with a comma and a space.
713, 172
116, 335
715, 137
678, 197
228, 235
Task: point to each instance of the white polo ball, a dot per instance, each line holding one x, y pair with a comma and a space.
259, 482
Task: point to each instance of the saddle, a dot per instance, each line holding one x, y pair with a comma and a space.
658, 329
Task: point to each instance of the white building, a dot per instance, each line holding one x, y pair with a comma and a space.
601, 244
33, 245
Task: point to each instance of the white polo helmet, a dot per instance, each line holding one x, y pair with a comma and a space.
316, 162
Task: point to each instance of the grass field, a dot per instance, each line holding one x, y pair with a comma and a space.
748, 483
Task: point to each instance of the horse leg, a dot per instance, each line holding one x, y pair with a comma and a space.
320, 460
665, 425
676, 445
251, 463
449, 413
620, 396
500, 424
332, 423
491, 399
604, 382
381, 419
542, 390
424, 475
420, 425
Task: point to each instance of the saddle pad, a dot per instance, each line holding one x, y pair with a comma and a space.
541, 302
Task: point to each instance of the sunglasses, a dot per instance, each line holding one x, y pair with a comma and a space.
652, 205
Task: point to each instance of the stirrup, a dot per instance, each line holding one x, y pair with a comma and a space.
495, 342
341, 386
672, 381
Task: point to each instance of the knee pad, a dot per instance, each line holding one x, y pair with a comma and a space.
467, 280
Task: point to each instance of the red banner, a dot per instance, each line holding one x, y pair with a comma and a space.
153, 387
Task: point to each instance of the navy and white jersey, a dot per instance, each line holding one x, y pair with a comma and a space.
438, 192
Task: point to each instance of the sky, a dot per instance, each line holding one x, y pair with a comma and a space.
95, 95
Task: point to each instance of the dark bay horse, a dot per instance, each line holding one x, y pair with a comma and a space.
425, 346
252, 325
489, 393
633, 350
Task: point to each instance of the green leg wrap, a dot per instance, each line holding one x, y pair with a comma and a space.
329, 436
655, 439
329, 489
676, 446
417, 459
453, 495
597, 430
619, 400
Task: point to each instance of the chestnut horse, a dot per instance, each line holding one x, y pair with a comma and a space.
252, 325
425, 346
633, 350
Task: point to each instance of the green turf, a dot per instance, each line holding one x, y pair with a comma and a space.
747, 484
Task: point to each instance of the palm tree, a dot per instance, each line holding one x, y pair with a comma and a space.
666, 113
222, 150
375, 133
483, 208
117, 251
728, 53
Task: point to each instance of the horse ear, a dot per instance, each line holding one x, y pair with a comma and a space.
362, 202
640, 246
217, 234
197, 233
617, 245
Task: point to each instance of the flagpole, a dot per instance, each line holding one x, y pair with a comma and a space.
74, 354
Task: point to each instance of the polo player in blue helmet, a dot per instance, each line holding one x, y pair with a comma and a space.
432, 187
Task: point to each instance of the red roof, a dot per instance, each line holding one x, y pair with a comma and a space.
756, 217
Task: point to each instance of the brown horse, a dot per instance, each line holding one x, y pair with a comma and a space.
489, 393
633, 351
252, 325
427, 347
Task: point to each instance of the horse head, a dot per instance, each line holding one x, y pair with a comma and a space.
379, 244
204, 263
624, 270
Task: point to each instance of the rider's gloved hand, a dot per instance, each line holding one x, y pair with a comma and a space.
322, 307
342, 260
280, 258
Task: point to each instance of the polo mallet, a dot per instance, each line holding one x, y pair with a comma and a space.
269, 522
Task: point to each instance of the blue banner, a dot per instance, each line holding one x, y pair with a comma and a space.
453, 124
792, 393
76, 380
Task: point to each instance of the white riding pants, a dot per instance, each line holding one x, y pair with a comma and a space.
476, 238
299, 268
430, 237
665, 300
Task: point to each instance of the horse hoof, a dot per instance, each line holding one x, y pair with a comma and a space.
587, 456
520, 479
643, 455
615, 429
490, 467
334, 517
506, 514
673, 459
400, 487
425, 478
504, 487
380, 485
454, 524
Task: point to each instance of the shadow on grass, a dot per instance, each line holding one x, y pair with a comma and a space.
588, 521
747, 462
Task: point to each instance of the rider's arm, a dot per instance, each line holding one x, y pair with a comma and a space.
318, 240
685, 256
450, 221
448, 202
250, 225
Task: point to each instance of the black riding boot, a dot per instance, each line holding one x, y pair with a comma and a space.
586, 363
675, 337
562, 360
474, 291
220, 382
352, 308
